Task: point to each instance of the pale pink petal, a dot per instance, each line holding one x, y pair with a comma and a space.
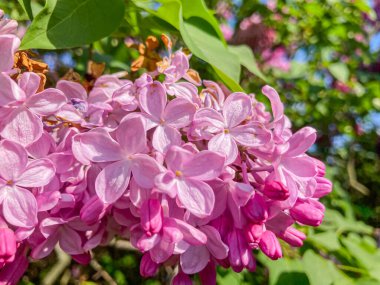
301, 141
162, 251
214, 243
224, 144
29, 82
47, 102
191, 234
194, 259
176, 157
300, 166
251, 135
9, 91
112, 181
179, 113
42, 147
13, 160
144, 170
70, 113
38, 173
9, 45
70, 241
96, 146
196, 196
20, 207
22, 126
166, 183
205, 165
275, 101
236, 109
153, 99
210, 118
184, 90
131, 135
164, 137
72, 89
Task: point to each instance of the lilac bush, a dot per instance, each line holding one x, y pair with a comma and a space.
192, 175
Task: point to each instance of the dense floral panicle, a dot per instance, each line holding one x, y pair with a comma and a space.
194, 175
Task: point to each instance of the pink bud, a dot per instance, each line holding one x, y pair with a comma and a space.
83, 258
324, 187
240, 255
93, 210
151, 216
256, 209
308, 212
270, 245
182, 279
7, 245
293, 237
275, 190
148, 267
253, 234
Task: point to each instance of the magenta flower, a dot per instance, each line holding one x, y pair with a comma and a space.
23, 107
16, 174
226, 130
185, 178
126, 154
167, 119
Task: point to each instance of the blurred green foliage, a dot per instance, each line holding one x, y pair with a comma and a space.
331, 84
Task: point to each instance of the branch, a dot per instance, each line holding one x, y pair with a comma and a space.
101, 273
352, 179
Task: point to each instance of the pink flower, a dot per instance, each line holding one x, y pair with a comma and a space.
167, 119
126, 154
23, 107
16, 174
185, 178
226, 130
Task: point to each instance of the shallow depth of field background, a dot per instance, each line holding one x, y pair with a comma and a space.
324, 59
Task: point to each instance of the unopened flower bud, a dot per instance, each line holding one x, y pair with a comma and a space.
148, 267
308, 212
275, 190
293, 237
270, 245
256, 209
151, 216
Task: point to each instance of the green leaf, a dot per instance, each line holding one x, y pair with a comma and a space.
323, 271
73, 23
328, 240
27, 6
247, 59
285, 271
340, 71
200, 34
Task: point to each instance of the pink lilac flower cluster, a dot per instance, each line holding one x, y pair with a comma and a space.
192, 175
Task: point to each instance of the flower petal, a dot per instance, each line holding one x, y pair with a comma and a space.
131, 135
144, 170
196, 196
237, 108
112, 181
301, 141
22, 126
224, 144
9, 44
96, 146
46, 102
13, 160
29, 82
194, 259
275, 101
72, 90
153, 99
205, 165
19, 207
164, 137
38, 173
179, 113
70, 241
251, 135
